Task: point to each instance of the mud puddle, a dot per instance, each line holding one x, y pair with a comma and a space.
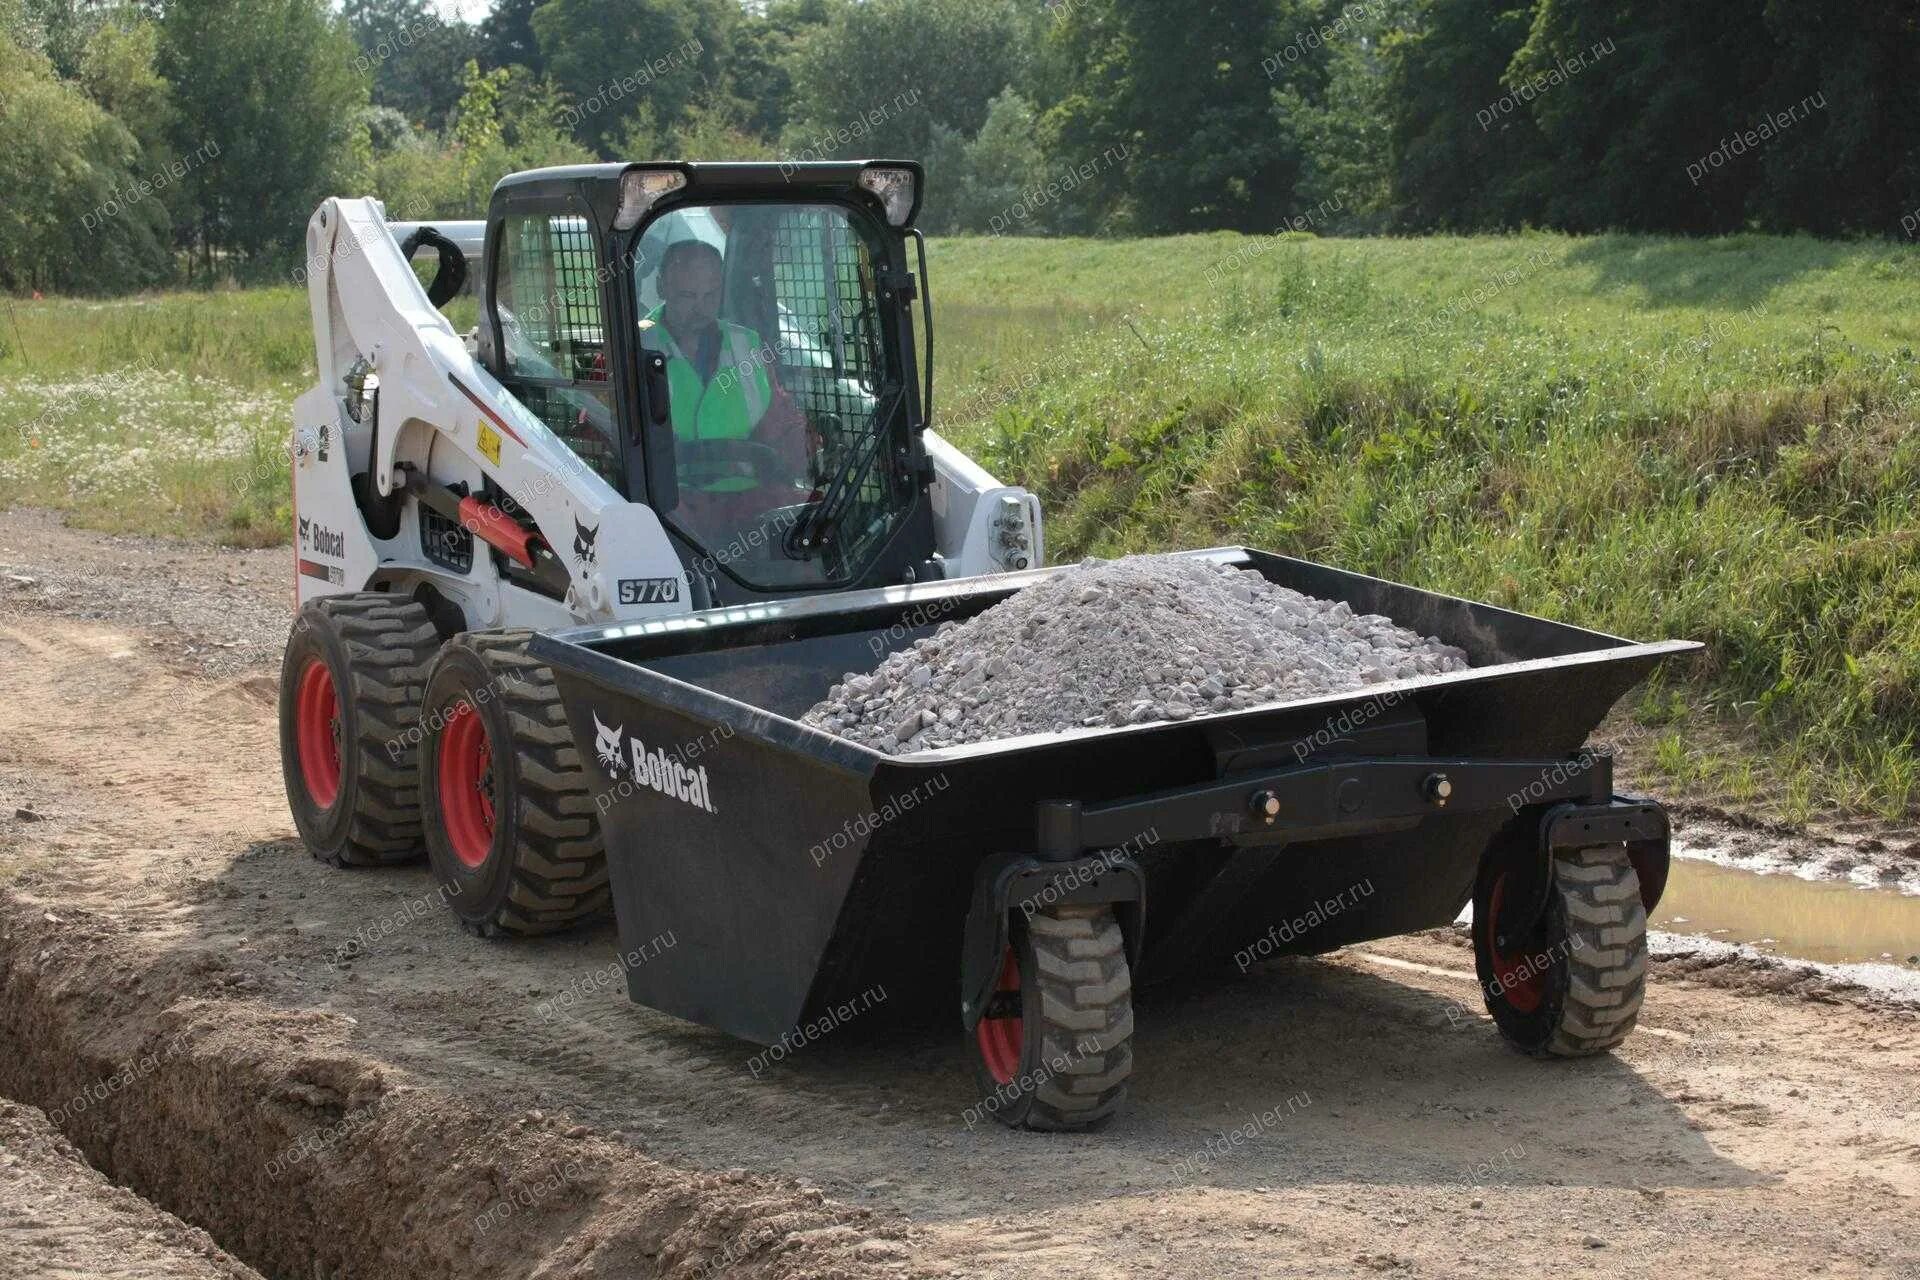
1866, 854
1826, 921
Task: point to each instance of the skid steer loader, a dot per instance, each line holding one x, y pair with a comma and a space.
678, 481
690, 387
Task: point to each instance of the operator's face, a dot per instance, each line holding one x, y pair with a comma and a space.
691, 292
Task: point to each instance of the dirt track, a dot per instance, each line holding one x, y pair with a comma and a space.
325, 1073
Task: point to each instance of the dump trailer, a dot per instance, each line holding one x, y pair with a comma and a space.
799, 872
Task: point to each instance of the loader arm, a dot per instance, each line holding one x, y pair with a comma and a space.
441, 418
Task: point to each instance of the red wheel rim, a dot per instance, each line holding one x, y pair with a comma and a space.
316, 733
466, 786
1000, 1038
1521, 975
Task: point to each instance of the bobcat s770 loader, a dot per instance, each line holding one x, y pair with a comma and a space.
453, 495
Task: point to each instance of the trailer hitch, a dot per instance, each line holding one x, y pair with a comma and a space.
1635, 821
1020, 882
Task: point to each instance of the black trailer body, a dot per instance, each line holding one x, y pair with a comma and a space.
796, 871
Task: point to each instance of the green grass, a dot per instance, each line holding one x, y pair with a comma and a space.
1712, 440
1706, 439
165, 413
159, 414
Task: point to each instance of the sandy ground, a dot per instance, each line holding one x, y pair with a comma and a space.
323, 1072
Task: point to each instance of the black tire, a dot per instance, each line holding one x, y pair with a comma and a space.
1056, 1048
352, 675
1575, 988
536, 863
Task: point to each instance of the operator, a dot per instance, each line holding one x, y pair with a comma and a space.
720, 392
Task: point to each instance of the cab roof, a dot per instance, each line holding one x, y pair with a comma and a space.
707, 181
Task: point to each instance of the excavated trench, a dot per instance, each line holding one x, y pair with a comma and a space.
305, 1159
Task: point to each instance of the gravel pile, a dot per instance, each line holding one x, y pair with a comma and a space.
1121, 642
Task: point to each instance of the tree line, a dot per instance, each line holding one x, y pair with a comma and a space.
147, 142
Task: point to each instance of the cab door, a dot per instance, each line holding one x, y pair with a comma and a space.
550, 312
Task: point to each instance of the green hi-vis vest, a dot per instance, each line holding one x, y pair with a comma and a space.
728, 407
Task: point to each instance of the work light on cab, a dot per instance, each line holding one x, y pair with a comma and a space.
640, 189
897, 188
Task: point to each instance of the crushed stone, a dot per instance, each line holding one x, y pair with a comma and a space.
1121, 642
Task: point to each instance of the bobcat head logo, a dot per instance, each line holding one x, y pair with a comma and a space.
583, 539
607, 746
306, 530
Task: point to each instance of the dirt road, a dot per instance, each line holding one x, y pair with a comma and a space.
323, 1072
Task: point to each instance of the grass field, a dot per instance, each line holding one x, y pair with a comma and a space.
1654, 437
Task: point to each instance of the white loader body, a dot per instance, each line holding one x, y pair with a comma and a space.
440, 416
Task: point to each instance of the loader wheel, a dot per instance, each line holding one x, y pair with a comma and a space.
510, 826
350, 686
1575, 987
1055, 1046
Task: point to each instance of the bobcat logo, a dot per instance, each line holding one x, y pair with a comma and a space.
609, 746
321, 540
583, 539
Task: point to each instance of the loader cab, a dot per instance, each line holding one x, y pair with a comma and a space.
733, 345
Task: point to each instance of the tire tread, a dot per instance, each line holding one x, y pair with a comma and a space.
559, 862
1086, 1002
390, 641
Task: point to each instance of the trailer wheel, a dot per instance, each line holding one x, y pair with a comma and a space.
1575, 988
1055, 1046
350, 687
511, 832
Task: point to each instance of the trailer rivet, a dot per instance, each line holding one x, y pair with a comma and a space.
1266, 806
1439, 787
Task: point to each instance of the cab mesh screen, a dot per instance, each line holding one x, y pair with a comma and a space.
555, 336
831, 358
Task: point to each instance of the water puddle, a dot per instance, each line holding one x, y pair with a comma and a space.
1836, 923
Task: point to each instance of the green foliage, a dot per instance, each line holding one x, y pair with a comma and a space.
1077, 117
118, 70
76, 216
1175, 105
60, 29
1855, 166
1460, 152
506, 121
18, 24
608, 56
413, 56
974, 183
476, 121
879, 77
759, 63
1622, 132
507, 38
715, 130
1343, 133
268, 101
